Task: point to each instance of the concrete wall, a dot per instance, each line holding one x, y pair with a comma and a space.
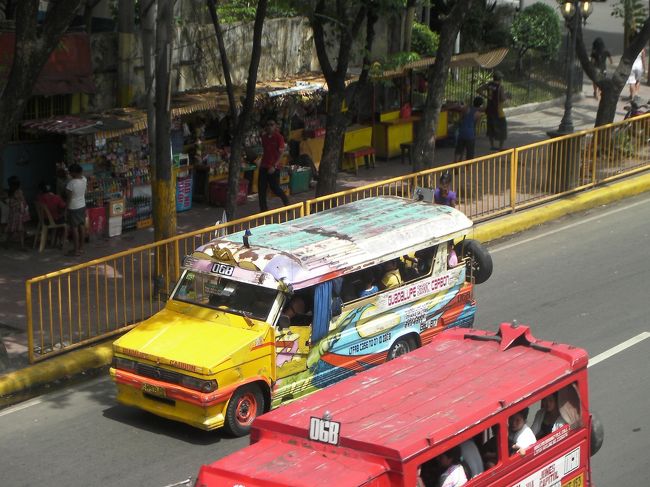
287, 49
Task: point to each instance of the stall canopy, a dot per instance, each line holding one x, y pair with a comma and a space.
486, 60
68, 69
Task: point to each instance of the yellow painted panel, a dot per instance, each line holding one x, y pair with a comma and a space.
313, 148
441, 130
357, 136
386, 116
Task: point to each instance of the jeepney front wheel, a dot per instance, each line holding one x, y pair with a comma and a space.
400, 347
479, 264
244, 406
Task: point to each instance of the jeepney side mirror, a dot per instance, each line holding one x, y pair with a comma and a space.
283, 322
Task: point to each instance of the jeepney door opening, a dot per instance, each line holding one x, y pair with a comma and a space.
292, 342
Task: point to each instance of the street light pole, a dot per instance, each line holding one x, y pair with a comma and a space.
574, 12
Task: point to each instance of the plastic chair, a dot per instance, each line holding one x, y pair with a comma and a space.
45, 224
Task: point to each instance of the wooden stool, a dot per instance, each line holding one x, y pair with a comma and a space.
406, 152
368, 154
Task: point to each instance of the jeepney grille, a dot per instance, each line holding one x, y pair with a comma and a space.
158, 373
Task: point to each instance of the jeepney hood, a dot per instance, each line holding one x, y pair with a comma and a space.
192, 342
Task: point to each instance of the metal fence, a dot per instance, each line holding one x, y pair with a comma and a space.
89, 302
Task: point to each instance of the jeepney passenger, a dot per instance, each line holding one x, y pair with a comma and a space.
295, 310
520, 436
392, 277
454, 474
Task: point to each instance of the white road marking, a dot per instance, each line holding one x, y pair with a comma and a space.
618, 348
499, 248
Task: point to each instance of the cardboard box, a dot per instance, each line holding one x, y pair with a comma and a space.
116, 207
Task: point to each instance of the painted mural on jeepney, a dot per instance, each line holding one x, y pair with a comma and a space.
362, 335
317, 248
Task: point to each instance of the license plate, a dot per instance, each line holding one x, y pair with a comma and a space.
575, 482
153, 390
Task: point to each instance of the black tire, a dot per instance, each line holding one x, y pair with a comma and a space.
597, 434
480, 261
401, 346
244, 406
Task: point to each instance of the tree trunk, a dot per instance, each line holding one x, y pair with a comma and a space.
408, 24
126, 44
612, 85
148, 25
34, 44
336, 121
241, 122
424, 144
164, 188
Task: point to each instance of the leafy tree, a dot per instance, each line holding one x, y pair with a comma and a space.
537, 28
633, 13
424, 41
34, 44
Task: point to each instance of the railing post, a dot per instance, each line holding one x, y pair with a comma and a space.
513, 179
594, 157
30, 321
177, 260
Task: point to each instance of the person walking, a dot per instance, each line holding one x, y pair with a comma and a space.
634, 80
497, 126
599, 57
466, 143
76, 208
269, 172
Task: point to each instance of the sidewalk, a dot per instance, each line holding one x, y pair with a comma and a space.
526, 125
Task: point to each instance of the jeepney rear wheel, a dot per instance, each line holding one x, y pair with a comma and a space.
480, 261
400, 347
246, 404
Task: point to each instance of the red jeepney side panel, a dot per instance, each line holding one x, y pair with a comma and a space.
275, 463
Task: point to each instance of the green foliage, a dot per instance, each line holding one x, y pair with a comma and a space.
633, 13
394, 61
537, 27
486, 28
244, 10
423, 40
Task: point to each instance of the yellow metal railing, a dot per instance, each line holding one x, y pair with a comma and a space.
98, 299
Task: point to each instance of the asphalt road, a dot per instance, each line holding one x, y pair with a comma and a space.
581, 280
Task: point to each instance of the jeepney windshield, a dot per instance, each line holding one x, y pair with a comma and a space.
218, 292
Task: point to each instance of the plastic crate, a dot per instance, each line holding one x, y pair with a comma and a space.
299, 182
219, 190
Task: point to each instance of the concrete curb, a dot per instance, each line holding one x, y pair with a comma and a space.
93, 357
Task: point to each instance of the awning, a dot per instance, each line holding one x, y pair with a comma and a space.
68, 69
487, 60
98, 125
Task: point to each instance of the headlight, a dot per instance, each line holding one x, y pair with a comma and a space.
199, 384
123, 364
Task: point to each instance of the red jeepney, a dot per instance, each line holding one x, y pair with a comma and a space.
393, 424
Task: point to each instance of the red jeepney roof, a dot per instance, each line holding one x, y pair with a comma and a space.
271, 463
442, 389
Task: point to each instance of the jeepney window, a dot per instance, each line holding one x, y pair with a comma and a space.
218, 292
461, 462
555, 410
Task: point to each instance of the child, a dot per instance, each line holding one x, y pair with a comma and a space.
369, 286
